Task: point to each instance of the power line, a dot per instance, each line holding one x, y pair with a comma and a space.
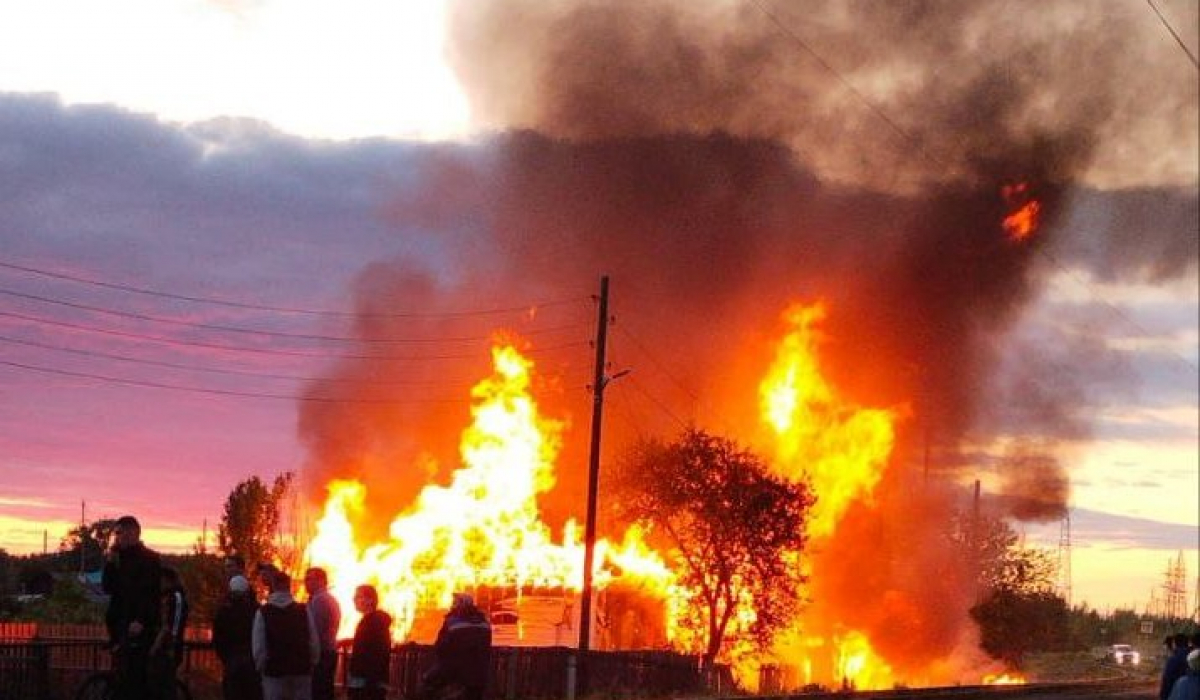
272, 334
227, 392
1116, 310
284, 309
463, 383
262, 351
210, 390
1178, 40
840, 78
662, 406
660, 365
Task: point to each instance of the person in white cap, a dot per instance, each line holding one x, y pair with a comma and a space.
1188, 685
232, 626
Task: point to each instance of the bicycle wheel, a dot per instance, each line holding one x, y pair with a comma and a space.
98, 686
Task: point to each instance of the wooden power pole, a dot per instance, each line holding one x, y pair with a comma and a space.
589, 532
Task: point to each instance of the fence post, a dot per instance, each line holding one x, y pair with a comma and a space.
571, 676
42, 653
510, 690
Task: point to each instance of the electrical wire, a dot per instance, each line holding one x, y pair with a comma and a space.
227, 392
463, 383
271, 334
284, 309
1191, 56
258, 350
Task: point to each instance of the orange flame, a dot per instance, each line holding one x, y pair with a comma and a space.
840, 447
1004, 679
483, 529
1022, 219
859, 666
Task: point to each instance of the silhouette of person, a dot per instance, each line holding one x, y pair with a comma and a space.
462, 651
372, 650
131, 578
233, 625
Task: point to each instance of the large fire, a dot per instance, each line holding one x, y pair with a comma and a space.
842, 449
483, 532
483, 529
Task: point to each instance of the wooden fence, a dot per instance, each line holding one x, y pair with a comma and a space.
46, 662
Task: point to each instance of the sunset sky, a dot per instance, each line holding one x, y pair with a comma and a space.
174, 169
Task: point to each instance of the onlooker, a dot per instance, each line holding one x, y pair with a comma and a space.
1175, 665
372, 650
166, 653
462, 652
1188, 685
131, 579
284, 644
233, 626
325, 615
234, 565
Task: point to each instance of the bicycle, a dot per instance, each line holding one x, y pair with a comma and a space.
103, 684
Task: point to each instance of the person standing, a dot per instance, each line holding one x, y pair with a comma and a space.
233, 626
325, 615
462, 652
1175, 666
131, 578
234, 565
1187, 686
372, 650
284, 644
166, 653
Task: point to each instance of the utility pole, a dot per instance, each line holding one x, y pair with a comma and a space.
578, 666
1063, 584
589, 532
82, 532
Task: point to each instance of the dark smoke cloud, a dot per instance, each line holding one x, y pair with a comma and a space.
884, 93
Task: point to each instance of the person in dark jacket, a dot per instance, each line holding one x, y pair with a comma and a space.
1175, 666
284, 644
131, 578
231, 630
372, 650
462, 652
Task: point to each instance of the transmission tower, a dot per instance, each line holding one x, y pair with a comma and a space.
1175, 589
1063, 585
1196, 608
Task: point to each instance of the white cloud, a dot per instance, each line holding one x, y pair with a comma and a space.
314, 67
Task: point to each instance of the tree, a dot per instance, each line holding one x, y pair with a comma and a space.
85, 545
250, 524
735, 529
1017, 610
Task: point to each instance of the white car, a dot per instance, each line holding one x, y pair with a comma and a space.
1124, 654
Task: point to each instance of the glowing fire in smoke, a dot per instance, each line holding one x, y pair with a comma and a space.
1022, 220
840, 447
483, 529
